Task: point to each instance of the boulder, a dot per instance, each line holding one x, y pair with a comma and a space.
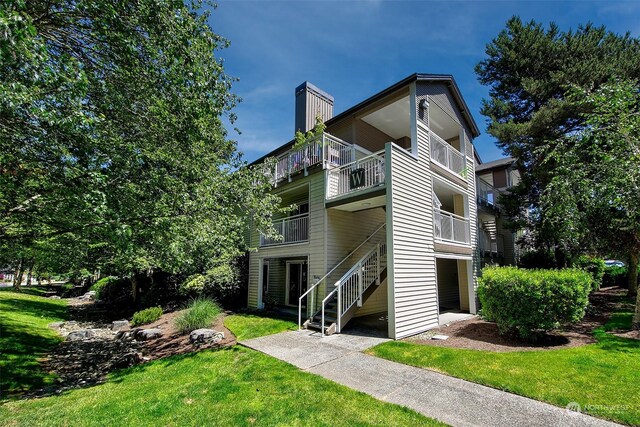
204, 336
82, 334
148, 334
120, 325
126, 335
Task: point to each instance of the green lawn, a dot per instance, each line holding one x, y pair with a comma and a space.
604, 378
247, 326
230, 387
24, 338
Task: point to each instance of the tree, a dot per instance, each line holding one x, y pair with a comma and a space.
529, 71
112, 138
595, 188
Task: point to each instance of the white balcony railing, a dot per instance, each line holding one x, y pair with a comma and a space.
364, 173
445, 155
294, 229
325, 149
450, 227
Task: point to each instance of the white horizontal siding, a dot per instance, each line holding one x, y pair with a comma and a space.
313, 249
412, 278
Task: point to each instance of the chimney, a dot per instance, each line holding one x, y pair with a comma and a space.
311, 102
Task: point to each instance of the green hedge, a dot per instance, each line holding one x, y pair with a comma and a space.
146, 316
526, 303
592, 265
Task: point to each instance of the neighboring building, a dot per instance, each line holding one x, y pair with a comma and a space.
496, 242
386, 220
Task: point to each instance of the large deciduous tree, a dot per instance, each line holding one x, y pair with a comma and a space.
112, 139
530, 71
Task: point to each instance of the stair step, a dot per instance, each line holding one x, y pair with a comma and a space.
327, 319
315, 325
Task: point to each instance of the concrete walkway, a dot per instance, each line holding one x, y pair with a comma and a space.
451, 400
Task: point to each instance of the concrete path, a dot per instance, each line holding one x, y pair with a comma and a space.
451, 400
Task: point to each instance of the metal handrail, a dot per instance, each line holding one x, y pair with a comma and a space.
331, 271
356, 267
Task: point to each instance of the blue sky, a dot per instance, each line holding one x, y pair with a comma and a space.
353, 49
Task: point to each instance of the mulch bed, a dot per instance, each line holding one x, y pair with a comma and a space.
478, 334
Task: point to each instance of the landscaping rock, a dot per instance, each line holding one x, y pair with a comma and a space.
120, 325
56, 325
125, 335
82, 334
127, 360
148, 334
53, 297
439, 337
203, 336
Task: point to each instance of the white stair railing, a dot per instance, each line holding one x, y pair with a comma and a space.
349, 290
310, 294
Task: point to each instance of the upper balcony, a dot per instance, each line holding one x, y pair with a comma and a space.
363, 174
325, 150
445, 155
487, 194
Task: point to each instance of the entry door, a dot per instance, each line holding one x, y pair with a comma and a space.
297, 281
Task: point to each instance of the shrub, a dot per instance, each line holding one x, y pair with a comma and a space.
224, 283
200, 314
592, 265
616, 276
528, 302
146, 316
112, 289
537, 258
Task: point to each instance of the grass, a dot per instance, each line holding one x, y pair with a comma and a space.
25, 338
604, 378
200, 314
234, 386
247, 326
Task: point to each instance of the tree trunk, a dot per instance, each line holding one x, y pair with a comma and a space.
636, 317
17, 278
29, 276
134, 288
633, 274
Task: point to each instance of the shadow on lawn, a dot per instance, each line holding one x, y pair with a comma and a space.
21, 347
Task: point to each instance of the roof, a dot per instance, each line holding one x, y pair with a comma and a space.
439, 78
495, 164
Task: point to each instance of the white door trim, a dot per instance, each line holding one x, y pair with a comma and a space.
286, 287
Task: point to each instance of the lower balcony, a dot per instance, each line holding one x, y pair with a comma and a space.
451, 228
294, 229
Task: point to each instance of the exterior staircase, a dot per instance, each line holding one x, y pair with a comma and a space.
350, 292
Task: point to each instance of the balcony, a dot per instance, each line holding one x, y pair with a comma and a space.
362, 174
294, 229
443, 154
451, 228
487, 194
325, 149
